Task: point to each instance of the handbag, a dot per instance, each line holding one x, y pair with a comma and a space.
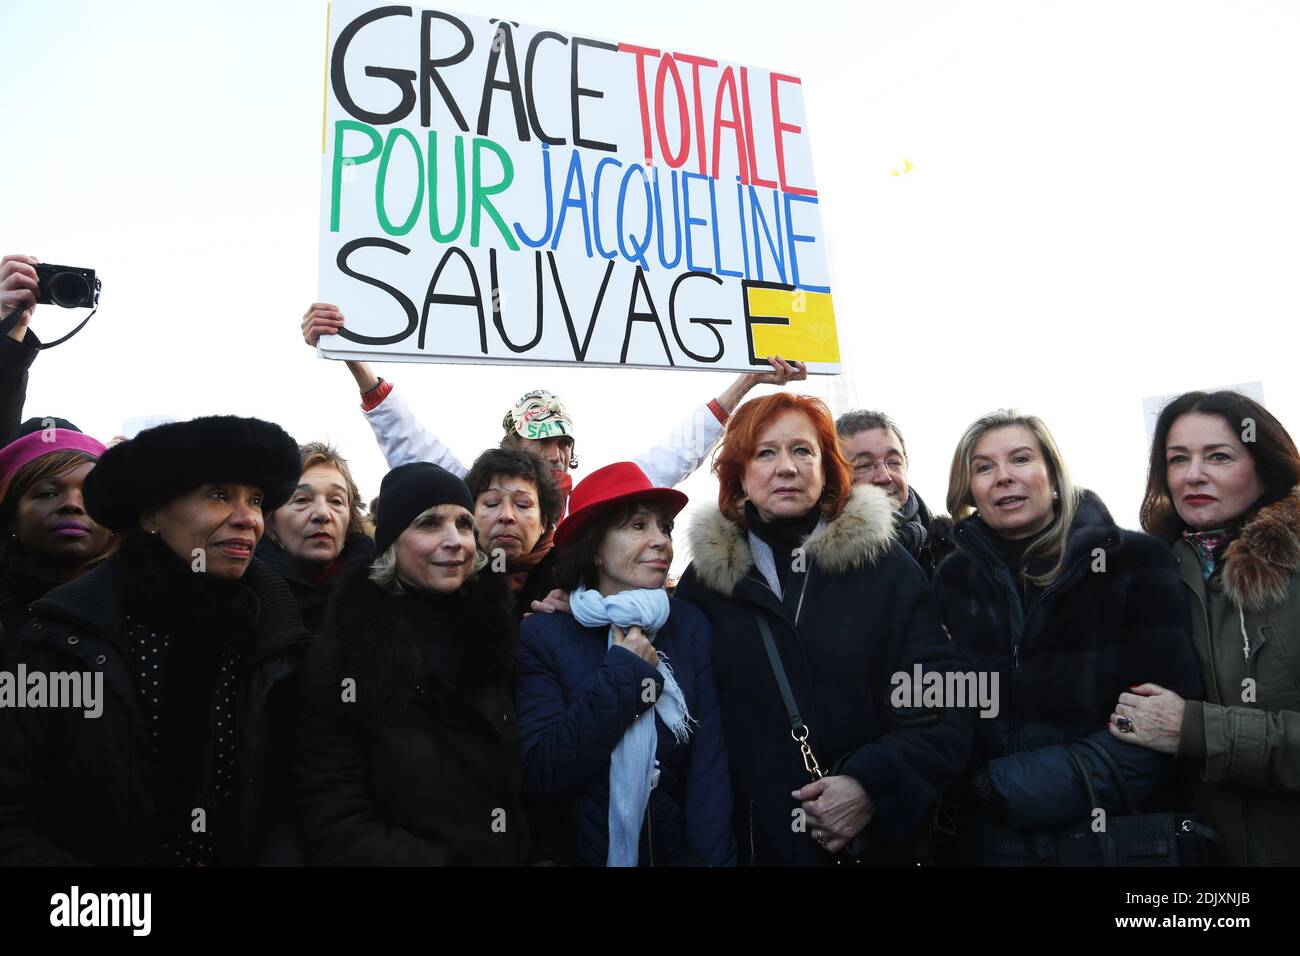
1130, 838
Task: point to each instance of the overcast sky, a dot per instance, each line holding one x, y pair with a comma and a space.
1103, 207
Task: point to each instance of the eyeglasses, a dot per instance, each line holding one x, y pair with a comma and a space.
892, 467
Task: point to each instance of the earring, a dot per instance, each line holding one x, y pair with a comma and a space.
1055, 494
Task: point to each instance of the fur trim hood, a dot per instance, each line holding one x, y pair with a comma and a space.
1262, 561
855, 538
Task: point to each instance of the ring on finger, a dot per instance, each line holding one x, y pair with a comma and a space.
1125, 725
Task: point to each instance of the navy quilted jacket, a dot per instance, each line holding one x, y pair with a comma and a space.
576, 699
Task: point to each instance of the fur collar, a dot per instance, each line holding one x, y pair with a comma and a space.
857, 537
1261, 563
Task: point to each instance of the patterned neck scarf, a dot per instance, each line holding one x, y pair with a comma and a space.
910, 524
1210, 545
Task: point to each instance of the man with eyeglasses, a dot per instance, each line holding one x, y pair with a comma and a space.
874, 447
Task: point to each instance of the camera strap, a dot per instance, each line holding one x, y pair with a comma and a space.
11, 320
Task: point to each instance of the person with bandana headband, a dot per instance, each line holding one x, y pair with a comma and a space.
539, 422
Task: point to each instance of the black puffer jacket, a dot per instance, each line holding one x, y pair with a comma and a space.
421, 766
312, 597
82, 790
1113, 618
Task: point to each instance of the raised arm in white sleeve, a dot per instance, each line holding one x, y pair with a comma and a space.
671, 461
402, 438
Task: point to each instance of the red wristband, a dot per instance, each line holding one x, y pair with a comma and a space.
719, 413
374, 398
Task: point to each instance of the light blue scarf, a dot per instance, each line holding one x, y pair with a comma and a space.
631, 767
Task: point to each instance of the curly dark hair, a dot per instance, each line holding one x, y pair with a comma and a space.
517, 463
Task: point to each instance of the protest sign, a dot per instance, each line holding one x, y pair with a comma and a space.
495, 192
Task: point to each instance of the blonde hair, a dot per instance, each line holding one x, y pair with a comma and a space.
383, 570
1050, 543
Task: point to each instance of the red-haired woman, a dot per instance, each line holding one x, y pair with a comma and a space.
821, 624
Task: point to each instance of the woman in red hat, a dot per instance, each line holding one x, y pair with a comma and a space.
623, 754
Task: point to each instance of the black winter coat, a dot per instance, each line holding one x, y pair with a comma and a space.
15, 359
358, 551
414, 770
540, 582
1114, 617
864, 613
78, 790
18, 592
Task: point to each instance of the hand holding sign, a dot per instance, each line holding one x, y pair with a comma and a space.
321, 318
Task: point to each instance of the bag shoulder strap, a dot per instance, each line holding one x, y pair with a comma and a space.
1082, 768
1130, 805
778, 671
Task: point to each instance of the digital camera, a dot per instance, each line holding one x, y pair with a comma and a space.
66, 286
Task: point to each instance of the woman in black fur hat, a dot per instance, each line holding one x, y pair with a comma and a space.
407, 751
184, 649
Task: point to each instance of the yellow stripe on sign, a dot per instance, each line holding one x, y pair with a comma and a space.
806, 329
325, 85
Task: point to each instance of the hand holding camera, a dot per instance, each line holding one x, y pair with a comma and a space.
19, 288
25, 283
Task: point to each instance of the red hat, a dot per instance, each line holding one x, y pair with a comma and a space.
610, 487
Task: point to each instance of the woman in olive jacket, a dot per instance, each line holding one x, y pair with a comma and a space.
1231, 508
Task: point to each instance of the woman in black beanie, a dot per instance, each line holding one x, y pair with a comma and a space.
184, 648
407, 751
